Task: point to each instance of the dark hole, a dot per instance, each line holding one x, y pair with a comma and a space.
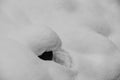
48, 55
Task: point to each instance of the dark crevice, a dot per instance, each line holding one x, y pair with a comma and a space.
47, 55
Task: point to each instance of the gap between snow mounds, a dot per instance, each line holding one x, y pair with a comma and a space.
60, 57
